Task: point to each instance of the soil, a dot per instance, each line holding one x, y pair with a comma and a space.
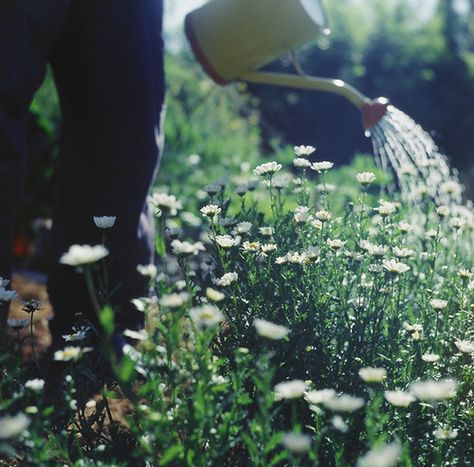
31, 286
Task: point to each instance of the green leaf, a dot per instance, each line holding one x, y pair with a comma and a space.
190, 458
107, 320
281, 456
160, 245
171, 454
273, 442
125, 369
250, 443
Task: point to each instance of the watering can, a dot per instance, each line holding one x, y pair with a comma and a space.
232, 39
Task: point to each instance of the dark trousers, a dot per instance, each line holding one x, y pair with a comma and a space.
107, 60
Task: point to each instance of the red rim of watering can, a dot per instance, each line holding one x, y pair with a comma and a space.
199, 52
373, 111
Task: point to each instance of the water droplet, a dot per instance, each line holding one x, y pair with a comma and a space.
402, 146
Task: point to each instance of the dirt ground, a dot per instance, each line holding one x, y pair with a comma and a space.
32, 286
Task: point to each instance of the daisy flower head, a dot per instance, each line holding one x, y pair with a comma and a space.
395, 267
104, 222
242, 228
18, 324
225, 241
13, 426
31, 305
227, 279
211, 210
268, 168
174, 300
457, 223
322, 167
399, 398
7, 295
35, 385
292, 389
386, 455
377, 251
366, 178
214, 295
301, 214
412, 327
339, 424
296, 442
465, 346
141, 335
322, 215
147, 270
251, 247
296, 258
270, 330
445, 433
430, 357
319, 396
212, 189
432, 391
186, 248
465, 274
206, 316
278, 182
79, 255
403, 252
77, 335
405, 227
266, 231
438, 304
335, 244
266, 248
344, 403
372, 375
304, 151
70, 353
386, 208
301, 163
165, 203
451, 188
442, 211
193, 159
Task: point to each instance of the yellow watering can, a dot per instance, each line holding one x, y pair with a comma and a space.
234, 38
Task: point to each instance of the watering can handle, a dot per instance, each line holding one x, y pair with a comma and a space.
372, 110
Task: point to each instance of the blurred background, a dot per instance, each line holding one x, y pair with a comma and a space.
418, 53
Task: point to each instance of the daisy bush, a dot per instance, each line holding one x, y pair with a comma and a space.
302, 316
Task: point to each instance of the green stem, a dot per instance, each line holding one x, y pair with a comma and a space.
20, 343
107, 409
33, 350
91, 290
4, 307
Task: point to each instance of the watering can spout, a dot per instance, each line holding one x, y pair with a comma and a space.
373, 111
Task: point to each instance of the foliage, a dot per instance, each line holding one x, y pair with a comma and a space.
351, 281
224, 132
